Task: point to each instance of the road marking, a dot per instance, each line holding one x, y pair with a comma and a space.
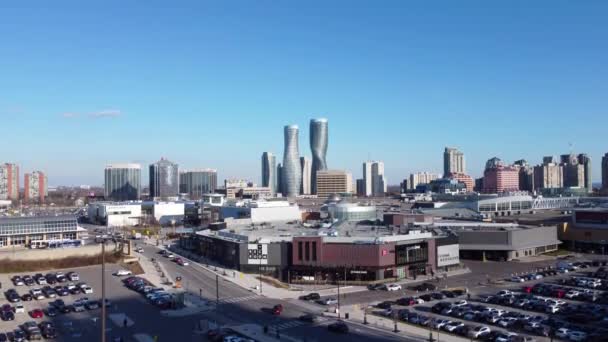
238, 299
295, 324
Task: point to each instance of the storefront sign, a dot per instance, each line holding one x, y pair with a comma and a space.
257, 254
358, 272
448, 255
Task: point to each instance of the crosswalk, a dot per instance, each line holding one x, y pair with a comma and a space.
294, 324
237, 299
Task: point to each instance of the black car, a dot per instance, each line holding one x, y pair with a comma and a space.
28, 280
51, 279
385, 305
427, 297
338, 327
7, 315
26, 297
3, 337
448, 294
19, 335
12, 296
66, 309
310, 318
311, 296
49, 333
438, 295
62, 291
424, 287
51, 312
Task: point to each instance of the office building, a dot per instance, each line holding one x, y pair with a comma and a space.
453, 162
331, 182
585, 161
269, 171
198, 182
318, 146
122, 182
499, 178
367, 179
605, 171
573, 172
292, 171
379, 185
360, 187
36, 187
421, 178
164, 179
9, 182
306, 165
280, 178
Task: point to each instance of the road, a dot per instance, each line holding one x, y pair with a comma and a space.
241, 306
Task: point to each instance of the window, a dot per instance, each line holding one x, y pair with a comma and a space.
307, 251
314, 251
300, 250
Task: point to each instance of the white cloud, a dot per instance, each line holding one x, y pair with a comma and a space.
70, 115
108, 113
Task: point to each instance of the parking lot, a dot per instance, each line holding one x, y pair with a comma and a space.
568, 304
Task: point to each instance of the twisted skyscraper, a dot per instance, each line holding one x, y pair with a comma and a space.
292, 171
318, 147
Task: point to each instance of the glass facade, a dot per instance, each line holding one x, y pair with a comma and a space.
20, 230
122, 182
292, 172
318, 147
269, 174
164, 179
196, 183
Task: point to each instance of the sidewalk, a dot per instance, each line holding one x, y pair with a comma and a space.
255, 331
408, 331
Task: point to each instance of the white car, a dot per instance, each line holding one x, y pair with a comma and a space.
37, 294
438, 324
479, 330
574, 335
120, 273
460, 303
139, 250
78, 307
453, 326
562, 333
393, 287
19, 308
328, 301
87, 289
73, 276
517, 279
572, 294
552, 309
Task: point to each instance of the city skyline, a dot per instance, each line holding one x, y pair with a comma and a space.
483, 72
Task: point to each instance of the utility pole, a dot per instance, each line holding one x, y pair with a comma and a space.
217, 292
260, 273
103, 290
338, 281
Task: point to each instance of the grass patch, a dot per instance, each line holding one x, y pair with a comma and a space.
273, 282
20, 266
134, 267
559, 252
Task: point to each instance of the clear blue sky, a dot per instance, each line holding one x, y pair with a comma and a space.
211, 84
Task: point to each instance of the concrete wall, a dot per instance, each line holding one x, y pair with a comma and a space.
52, 254
540, 236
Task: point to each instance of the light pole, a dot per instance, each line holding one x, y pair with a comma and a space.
260, 273
103, 290
338, 281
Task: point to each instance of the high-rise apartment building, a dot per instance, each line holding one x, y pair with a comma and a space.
468, 181
526, 175
573, 172
549, 175
164, 179
318, 146
499, 178
421, 178
306, 166
585, 161
333, 182
9, 181
367, 179
292, 171
122, 182
36, 187
453, 162
605, 171
198, 182
269, 171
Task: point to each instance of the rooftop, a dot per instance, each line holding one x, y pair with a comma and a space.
23, 219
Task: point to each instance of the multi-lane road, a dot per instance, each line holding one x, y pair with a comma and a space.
242, 306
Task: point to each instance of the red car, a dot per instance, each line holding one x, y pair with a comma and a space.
37, 313
277, 309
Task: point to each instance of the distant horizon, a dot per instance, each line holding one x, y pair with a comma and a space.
210, 85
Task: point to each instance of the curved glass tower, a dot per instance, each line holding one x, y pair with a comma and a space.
292, 172
318, 147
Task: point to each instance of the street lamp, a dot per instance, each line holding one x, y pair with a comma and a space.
103, 290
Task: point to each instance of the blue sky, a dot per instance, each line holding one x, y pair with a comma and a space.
211, 83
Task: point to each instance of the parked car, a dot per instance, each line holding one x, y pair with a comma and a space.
36, 313
19, 308
17, 281
73, 276
309, 318
122, 272
479, 331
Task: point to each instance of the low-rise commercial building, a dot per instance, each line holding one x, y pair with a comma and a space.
587, 231
261, 211
115, 214
40, 231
